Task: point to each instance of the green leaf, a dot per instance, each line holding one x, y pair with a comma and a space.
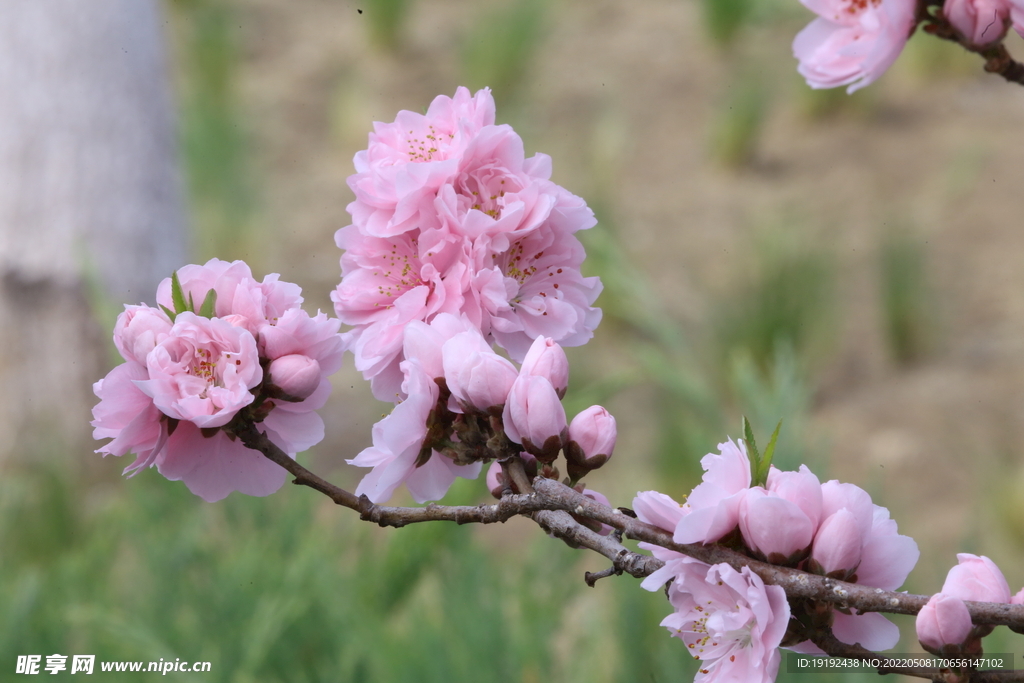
177, 295
748, 437
209, 303
761, 478
170, 314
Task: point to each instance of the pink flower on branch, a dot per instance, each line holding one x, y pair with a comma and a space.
184, 381
852, 42
943, 624
467, 226
729, 620
979, 22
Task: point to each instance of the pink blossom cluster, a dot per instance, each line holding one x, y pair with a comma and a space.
828, 528
451, 217
853, 42
944, 625
465, 404
190, 368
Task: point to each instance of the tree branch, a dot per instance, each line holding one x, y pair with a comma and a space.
549, 503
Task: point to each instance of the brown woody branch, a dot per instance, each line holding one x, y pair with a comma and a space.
549, 504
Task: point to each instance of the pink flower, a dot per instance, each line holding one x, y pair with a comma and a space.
138, 330
183, 381
886, 559
976, 578
398, 443
779, 522
465, 226
713, 507
730, 620
535, 418
237, 292
663, 512
979, 22
944, 621
407, 161
547, 359
202, 371
852, 43
545, 293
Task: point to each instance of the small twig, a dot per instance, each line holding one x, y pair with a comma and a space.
593, 577
257, 440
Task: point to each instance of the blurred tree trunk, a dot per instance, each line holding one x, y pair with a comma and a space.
91, 206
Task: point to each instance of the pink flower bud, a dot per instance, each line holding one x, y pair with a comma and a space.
534, 417
943, 621
1018, 599
547, 359
981, 22
837, 545
593, 432
138, 330
774, 526
477, 377
801, 488
296, 375
976, 578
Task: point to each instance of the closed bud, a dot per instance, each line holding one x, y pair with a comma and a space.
943, 624
976, 578
547, 359
534, 417
775, 527
478, 378
295, 375
592, 435
980, 22
837, 544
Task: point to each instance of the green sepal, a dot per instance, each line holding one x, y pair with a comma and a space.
761, 478
752, 452
177, 295
170, 314
209, 303
191, 304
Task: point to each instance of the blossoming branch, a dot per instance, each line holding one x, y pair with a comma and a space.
461, 284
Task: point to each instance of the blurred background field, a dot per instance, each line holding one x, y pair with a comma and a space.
849, 264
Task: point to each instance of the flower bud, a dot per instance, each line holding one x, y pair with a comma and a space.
774, 526
801, 488
980, 22
547, 359
534, 417
943, 624
297, 376
477, 377
837, 544
592, 436
138, 330
976, 578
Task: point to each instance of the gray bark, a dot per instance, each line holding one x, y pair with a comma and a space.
90, 200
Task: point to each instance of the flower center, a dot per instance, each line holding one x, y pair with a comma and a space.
426, 146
